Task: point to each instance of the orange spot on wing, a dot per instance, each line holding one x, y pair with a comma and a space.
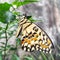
22, 42
43, 45
36, 35
29, 41
48, 41
26, 40
34, 38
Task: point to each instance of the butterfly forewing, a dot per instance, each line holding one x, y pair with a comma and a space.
34, 38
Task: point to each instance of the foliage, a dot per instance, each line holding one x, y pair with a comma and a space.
28, 58
15, 57
8, 21
4, 7
0, 55
17, 3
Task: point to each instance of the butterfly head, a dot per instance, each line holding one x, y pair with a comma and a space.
23, 20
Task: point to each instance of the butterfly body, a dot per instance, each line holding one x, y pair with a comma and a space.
33, 37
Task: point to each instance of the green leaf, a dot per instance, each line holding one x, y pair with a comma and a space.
13, 48
30, 0
52, 58
15, 57
17, 3
0, 55
43, 56
10, 33
32, 20
3, 43
18, 41
2, 46
4, 7
28, 58
0, 28
9, 17
16, 13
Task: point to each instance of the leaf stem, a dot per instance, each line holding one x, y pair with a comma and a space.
6, 40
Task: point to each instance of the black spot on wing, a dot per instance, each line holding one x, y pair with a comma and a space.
39, 33
25, 36
43, 38
29, 37
37, 46
40, 40
19, 32
30, 33
35, 28
34, 33
27, 26
43, 34
32, 48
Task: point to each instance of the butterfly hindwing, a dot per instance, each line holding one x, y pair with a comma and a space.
36, 39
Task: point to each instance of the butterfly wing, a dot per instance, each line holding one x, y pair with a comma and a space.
34, 38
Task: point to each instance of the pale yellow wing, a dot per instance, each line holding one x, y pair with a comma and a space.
34, 38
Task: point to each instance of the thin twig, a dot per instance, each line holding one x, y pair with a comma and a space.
6, 41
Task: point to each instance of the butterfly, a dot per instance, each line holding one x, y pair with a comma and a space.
33, 37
